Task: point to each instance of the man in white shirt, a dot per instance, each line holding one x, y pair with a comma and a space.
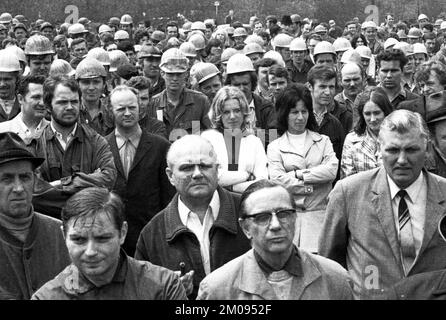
9, 73
381, 224
198, 231
30, 122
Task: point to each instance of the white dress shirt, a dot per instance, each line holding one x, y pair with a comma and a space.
17, 126
201, 231
127, 154
416, 203
59, 136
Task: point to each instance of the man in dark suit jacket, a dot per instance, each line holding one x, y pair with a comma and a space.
198, 231
141, 182
367, 214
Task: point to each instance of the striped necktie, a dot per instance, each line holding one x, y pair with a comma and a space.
408, 253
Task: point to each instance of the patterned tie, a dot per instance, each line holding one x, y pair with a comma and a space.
408, 253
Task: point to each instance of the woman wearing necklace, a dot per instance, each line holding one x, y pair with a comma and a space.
361, 148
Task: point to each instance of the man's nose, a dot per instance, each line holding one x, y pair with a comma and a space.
197, 171
91, 248
274, 224
402, 158
18, 185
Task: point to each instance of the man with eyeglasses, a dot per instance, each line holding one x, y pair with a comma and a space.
274, 269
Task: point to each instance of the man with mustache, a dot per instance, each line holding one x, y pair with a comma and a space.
30, 122
140, 159
76, 156
198, 231
9, 74
381, 224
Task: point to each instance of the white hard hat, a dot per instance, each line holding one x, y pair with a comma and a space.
126, 19
298, 44
341, 44
198, 25
99, 54
253, 38
368, 24
405, 47
104, 28
226, 54
9, 62
422, 16
364, 52
188, 49
419, 48
240, 32
282, 40
76, 28
443, 25
239, 63
174, 61
324, 47
198, 41
122, 35
351, 55
390, 42
204, 71
253, 48
276, 56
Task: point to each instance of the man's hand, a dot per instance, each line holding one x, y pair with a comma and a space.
56, 183
187, 281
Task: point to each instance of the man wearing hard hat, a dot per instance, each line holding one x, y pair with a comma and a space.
9, 74
39, 54
182, 110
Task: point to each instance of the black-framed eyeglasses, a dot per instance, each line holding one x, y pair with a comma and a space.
264, 218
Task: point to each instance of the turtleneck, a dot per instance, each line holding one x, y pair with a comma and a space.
17, 227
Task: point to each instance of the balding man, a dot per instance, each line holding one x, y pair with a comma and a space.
198, 231
352, 81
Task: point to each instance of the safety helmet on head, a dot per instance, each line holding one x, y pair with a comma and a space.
2, 27
187, 26
9, 62
369, 24
46, 25
253, 38
351, 55
198, 41
104, 28
61, 67
76, 28
83, 20
198, 25
419, 48
298, 44
18, 52
158, 35
239, 63
21, 18
209, 22
251, 48
414, 33
117, 58
5, 18
121, 35
406, 48
19, 26
204, 71
38, 45
114, 21
364, 52
174, 61
240, 32
226, 54
276, 56
149, 51
90, 68
188, 49
126, 19
422, 16
341, 44
390, 42
324, 47
320, 29
443, 25
282, 40
99, 54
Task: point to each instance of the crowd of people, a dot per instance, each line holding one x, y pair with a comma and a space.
280, 159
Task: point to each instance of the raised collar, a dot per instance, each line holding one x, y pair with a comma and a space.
184, 211
293, 265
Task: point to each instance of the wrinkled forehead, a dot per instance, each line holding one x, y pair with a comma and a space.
95, 222
194, 154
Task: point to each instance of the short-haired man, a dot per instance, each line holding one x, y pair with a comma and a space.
148, 124
60, 43
198, 230
95, 227
30, 122
275, 269
128, 48
76, 156
333, 119
351, 27
150, 58
391, 63
39, 54
300, 62
261, 67
278, 80
9, 76
182, 110
32, 249
78, 49
381, 224
140, 159
430, 42
208, 79
352, 81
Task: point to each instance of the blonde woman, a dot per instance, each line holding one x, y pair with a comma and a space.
241, 155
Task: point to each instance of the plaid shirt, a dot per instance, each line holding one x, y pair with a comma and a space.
360, 153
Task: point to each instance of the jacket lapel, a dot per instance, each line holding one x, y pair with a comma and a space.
252, 279
310, 273
435, 209
143, 147
115, 152
382, 205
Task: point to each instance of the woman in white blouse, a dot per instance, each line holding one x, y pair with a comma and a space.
303, 161
241, 155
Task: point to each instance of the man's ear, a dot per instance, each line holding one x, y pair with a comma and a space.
123, 232
20, 98
244, 225
169, 174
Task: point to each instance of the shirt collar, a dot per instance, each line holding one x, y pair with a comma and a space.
402, 92
184, 211
411, 190
292, 266
134, 138
346, 98
72, 133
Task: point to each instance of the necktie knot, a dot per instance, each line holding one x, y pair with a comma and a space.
402, 193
